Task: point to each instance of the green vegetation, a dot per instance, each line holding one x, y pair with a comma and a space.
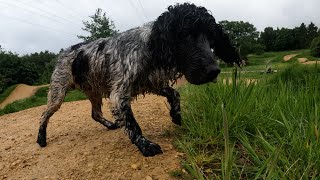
100, 26
264, 131
40, 98
250, 41
315, 47
31, 69
6, 93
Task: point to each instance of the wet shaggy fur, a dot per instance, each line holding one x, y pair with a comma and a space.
145, 59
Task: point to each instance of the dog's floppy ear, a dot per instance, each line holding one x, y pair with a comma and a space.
223, 47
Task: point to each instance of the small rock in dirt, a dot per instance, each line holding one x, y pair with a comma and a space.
55, 177
90, 164
148, 178
184, 171
7, 148
100, 167
179, 154
136, 166
16, 162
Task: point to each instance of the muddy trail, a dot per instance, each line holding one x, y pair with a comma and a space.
80, 148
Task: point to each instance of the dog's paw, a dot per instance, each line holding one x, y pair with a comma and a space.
176, 117
42, 140
42, 137
148, 148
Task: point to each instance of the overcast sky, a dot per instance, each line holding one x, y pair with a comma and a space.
28, 26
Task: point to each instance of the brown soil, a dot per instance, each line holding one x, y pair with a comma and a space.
302, 60
80, 148
247, 81
312, 62
22, 91
288, 57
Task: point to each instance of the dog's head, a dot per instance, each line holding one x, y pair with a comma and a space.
188, 38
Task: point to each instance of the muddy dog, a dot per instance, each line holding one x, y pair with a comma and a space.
184, 40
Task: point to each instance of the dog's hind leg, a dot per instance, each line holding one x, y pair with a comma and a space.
58, 89
122, 112
96, 102
173, 98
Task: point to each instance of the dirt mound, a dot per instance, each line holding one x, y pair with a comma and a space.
312, 62
80, 148
288, 57
22, 91
302, 60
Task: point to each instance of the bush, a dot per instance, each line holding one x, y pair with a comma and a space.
315, 47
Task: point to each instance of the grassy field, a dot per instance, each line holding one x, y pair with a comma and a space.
265, 131
40, 98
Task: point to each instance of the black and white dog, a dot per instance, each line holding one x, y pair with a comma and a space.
184, 40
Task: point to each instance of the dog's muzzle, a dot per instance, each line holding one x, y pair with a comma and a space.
212, 72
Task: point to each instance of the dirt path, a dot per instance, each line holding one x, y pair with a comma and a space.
80, 148
22, 91
302, 60
247, 81
312, 62
288, 57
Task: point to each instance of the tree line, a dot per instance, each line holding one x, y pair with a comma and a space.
249, 40
32, 69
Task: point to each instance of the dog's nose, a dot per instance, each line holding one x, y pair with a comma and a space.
213, 71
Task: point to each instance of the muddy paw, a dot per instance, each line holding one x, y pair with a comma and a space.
42, 137
42, 140
148, 148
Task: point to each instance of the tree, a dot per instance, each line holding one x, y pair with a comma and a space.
245, 35
285, 40
268, 38
311, 32
301, 36
100, 26
315, 47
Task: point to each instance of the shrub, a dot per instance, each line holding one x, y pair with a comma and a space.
315, 47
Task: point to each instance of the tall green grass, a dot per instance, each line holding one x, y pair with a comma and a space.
38, 99
264, 131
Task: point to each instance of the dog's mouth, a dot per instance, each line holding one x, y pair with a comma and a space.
200, 81
215, 80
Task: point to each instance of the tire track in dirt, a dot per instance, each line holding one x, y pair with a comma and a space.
80, 148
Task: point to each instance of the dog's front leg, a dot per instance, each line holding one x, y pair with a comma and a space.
173, 98
123, 114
